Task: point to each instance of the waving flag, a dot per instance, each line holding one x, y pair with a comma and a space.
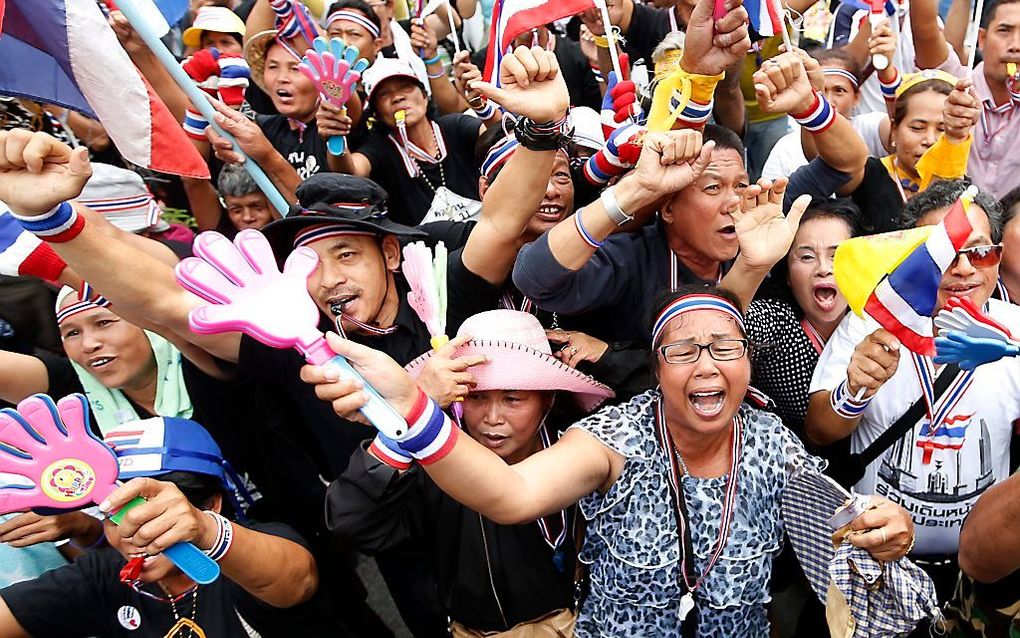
764, 16
510, 18
895, 277
64, 52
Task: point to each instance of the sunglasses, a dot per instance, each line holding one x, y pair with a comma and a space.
982, 256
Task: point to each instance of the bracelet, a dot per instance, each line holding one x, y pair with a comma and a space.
389, 452
58, 225
224, 537
435, 76
583, 232
889, 88
612, 206
433, 60
431, 435
845, 404
485, 112
545, 136
94, 544
818, 117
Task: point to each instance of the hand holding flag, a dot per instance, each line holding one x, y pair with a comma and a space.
713, 45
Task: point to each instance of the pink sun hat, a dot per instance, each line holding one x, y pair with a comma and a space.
519, 358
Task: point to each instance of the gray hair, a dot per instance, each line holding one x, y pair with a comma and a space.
234, 181
673, 40
942, 194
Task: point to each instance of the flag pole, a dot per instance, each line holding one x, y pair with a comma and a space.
198, 99
614, 55
972, 32
781, 12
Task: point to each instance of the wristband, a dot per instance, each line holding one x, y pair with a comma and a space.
431, 435
435, 76
60, 224
694, 114
889, 88
224, 537
818, 117
612, 206
845, 404
583, 232
389, 452
22, 253
194, 125
544, 136
433, 60
485, 112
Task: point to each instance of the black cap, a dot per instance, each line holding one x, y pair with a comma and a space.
326, 198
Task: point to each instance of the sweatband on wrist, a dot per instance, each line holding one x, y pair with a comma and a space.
431, 436
194, 125
389, 452
694, 114
94, 544
224, 537
583, 232
613, 208
845, 404
23, 253
61, 224
889, 88
485, 112
818, 117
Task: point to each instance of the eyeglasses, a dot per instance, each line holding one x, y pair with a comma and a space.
982, 256
722, 350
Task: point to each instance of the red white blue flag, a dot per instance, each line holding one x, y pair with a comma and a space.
63, 52
764, 16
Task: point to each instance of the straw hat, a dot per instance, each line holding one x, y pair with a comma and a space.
219, 19
255, 55
519, 358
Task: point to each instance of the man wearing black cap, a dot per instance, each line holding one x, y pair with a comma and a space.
343, 219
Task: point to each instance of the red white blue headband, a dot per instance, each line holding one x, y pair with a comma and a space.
318, 232
355, 17
499, 154
87, 299
690, 303
844, 73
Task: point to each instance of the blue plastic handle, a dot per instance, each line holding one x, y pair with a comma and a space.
193, 562
336, 144
378, 411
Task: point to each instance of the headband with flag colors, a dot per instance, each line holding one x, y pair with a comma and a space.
510, 18
895, 277
354, 16
690, 303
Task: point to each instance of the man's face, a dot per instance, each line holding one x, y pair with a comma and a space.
115, 352
292, 93
697, 217
355, 35
224, 42
1000, 42
399, 93
840, 92
557, 203
965, 279
248, 211
356, 273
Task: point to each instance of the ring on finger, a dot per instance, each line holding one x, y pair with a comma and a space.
573, 350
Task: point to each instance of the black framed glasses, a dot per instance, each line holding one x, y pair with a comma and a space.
721, 350
982, 256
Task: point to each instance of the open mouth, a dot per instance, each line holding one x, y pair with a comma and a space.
284, 96
550, 212
493, 439
707, 403
825, 296
100, 362
961, 290
729, 232
342, 305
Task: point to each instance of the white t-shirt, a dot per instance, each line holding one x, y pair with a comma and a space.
788, 154
940, 493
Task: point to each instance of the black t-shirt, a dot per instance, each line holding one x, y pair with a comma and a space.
581, 83
877, 196
411, 197
86, 598
304, 150
648, 26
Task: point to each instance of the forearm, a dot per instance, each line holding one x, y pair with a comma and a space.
350, 163
957, 21
151, 247
822, 425
275, 570
9, 625
729, 110
260, 19
743, 281
990, 539
203, 201
930, 46
839, 146
282, 174
445, 95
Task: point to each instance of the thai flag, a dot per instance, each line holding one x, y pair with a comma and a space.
948, 436
23, 253
64, 52
764, 16
904, 302
510, 18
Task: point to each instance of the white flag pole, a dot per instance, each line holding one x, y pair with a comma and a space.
614, 55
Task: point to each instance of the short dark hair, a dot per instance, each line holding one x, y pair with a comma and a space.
358, 5
1009, 205
666, 297
903, 100
989, 11
723, 137
942, 194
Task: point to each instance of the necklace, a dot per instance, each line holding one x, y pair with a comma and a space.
180, 624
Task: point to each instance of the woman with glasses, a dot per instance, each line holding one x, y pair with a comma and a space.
680, 487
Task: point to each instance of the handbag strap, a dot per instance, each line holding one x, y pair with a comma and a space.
910, 418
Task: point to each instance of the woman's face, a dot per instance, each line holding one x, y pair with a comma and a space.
115, 352
919, 130
840, 91
703, 396
506, 421
810, 269
400, 94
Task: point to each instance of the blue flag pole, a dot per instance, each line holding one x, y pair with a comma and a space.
198, 99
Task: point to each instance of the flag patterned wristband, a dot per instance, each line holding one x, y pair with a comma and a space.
844, 404
194, 125
431, 435
583, 232
486, 111
818, 117
694, 115
389, 452
61, 224
224, 537
889, 89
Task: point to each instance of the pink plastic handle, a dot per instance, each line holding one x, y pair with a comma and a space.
51, 445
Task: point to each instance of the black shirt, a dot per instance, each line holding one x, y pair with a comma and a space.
648, 26
411, 197
86, 598
304, 150
877, 196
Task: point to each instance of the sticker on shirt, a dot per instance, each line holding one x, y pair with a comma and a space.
448, 206
129, 617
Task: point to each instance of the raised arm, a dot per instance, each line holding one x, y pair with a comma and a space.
21, 376
444, 94
990, 538
38, 175
930, 46
533, 88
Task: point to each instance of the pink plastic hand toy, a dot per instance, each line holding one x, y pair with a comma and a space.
51, 446
334, 68
249, 294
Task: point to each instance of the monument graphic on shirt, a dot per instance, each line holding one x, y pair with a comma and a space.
943, 468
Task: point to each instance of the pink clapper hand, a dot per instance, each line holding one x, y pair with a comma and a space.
249, 294
50, 445
334, 68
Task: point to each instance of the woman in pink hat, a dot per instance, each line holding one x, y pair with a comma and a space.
680, 487
490, 578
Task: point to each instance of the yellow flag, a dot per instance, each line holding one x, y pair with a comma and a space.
861, 263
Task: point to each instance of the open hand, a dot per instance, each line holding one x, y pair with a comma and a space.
29, 528
763, 232
38, 172
532, 85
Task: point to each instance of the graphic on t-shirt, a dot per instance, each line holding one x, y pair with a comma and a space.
306, 165
129, 617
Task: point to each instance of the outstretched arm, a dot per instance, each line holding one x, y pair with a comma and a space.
930, 46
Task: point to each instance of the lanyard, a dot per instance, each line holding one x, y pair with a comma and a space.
411, 153
938, 410
679, 502
553, 543
812, 335
674, 272
1009, 108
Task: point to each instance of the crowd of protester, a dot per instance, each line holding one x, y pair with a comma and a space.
648, 347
